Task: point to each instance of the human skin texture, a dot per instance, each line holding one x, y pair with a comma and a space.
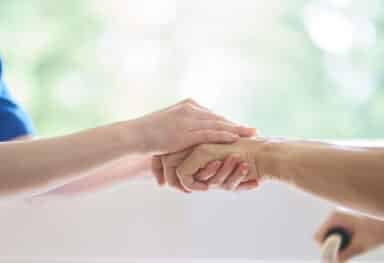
367, 233
349, 176
33, 167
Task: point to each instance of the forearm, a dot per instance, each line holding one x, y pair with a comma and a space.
115, 172
36, 166
351, 176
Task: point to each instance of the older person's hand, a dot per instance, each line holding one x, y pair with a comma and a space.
231, 166
367, 233
229, 174
241, 151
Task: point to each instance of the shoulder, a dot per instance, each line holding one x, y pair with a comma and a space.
1, 78
14, 121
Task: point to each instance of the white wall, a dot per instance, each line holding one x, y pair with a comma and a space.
138, 220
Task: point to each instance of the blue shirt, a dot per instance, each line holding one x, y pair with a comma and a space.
14, 122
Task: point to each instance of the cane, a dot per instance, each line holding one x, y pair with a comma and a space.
336, 240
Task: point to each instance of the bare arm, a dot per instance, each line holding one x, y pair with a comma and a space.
114, 173
31, 167
350, 176
34, 167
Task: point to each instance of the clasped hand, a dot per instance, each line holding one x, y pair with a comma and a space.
210, 161
231, 167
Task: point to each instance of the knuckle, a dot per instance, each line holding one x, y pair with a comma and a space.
187, 109
188, 101
218, 125
183, 108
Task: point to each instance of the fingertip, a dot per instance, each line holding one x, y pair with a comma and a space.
161, 183
186, 191
246, 186
244, 168
247, 131
199, 186
185, 181
160, 179
238, 182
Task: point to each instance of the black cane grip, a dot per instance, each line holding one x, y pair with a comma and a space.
346, 236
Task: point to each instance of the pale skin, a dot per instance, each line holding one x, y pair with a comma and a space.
229, 173
350, 176
35, 167
367, 233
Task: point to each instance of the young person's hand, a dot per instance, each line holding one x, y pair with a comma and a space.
367, 233
184, 125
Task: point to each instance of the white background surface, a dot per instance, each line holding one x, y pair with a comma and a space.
139, 220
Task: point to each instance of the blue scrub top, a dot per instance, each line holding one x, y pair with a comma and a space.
14, 122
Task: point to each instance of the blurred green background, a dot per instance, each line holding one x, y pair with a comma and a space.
311, 69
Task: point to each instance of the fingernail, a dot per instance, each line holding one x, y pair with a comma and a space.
248, 130
244, 168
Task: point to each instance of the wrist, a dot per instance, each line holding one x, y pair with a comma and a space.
270, 156
132, 136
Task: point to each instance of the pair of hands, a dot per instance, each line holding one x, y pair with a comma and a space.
195, 149
229, 167
222, 158
171, 136
367, 233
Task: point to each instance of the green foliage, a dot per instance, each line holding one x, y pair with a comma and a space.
47, 44
41, 42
